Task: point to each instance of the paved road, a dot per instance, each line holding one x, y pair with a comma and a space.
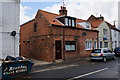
94, 70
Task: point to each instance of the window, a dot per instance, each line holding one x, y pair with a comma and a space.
106, 44
69, 22
95, 45
115, 33
87, 25
73, 22
105, 32
88, 45
70, 46
66, 21
100, 44
35, 27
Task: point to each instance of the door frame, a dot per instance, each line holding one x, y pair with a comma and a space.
60, 49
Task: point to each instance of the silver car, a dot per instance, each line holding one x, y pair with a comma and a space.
102, 54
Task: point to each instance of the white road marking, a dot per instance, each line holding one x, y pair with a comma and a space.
88, 74
53, 68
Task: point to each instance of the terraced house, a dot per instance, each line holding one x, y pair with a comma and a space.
108, 34
51, 37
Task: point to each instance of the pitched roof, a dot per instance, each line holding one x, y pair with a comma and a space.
51, 18
112, 27
95, 21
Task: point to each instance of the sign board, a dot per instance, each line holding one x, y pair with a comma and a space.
16, 69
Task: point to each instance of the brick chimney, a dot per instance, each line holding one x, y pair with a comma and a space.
63, 11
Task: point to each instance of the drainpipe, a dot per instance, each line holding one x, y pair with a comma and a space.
63, 44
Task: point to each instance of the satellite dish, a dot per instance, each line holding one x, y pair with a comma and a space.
13, 33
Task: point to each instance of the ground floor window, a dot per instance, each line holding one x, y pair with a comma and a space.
106, 44
95, 45
70, 46
100, 44
88, 45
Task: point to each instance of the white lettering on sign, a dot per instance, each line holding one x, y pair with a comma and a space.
12, 70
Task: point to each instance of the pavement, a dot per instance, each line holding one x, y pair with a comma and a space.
43, 66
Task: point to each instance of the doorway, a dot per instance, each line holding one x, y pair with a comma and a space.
58, 50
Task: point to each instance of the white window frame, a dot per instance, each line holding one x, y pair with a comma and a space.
70, 22
88, 45
66, 21
95, 44
87, 25
70, 47
73, 22
105, 46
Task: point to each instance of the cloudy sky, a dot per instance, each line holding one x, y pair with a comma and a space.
77, 8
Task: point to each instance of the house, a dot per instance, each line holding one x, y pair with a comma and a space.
119, 22
114, 35
108, 37
51, 37
9, 28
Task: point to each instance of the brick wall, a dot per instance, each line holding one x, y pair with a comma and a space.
41, 44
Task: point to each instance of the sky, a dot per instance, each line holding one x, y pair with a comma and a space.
76, 8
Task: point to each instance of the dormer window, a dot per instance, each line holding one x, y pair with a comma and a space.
70, 22
86, 25
73, 22
66, 21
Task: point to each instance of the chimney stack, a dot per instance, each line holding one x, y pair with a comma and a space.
101, 17
63, 11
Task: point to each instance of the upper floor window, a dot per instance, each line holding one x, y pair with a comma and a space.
35, 27
69, 22
105, 32
87, 25
73, 22
66, 21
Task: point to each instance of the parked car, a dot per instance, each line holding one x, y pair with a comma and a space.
102, 54
117, 51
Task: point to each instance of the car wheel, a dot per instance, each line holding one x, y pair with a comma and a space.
104, 59
114, 58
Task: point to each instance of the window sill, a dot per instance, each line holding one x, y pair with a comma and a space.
71, 51
88, 49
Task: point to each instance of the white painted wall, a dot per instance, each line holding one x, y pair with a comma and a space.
10, 22
119, 22
100, 28
114, 38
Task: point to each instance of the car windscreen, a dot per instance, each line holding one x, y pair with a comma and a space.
96, 51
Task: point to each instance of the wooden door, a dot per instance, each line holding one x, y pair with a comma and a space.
58, 50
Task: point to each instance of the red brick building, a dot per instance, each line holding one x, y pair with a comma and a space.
50, 37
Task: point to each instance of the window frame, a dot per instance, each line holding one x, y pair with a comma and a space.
105, 46
70, 44
88, 45
35, 27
